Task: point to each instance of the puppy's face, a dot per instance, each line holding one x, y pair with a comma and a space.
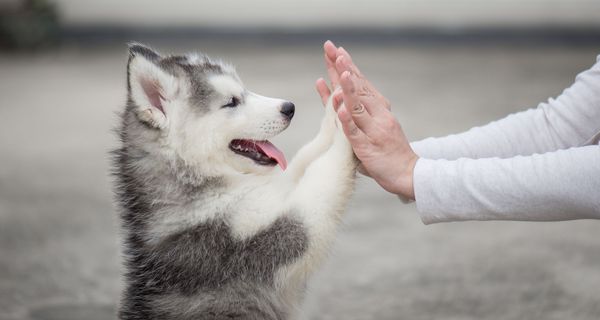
204, 115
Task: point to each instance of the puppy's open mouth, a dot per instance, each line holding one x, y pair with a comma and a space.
262, 152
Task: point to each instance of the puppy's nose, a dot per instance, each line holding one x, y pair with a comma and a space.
287, 109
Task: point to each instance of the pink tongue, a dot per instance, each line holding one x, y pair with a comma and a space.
270, 150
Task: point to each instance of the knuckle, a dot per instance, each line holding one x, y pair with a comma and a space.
387, 103
379, 136
390, 123
364, 91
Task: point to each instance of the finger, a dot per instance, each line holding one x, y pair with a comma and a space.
357, 109
323, 90
330, 50
330, 55
347, 64
372, 100
377, 105
341, 52
355, 136
332, 73
341, 66
343, 63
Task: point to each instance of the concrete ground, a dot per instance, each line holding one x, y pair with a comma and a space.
59, 238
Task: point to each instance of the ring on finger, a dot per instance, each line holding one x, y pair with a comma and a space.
358, 108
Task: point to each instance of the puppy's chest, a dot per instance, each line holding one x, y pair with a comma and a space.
210, 255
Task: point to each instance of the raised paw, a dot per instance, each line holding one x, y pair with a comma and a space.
340, 139
330, 119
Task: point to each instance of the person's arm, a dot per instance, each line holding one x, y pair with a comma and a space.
572, 119
553, 186
560, 185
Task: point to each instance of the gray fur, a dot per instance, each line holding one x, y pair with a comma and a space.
180, 66
201, 272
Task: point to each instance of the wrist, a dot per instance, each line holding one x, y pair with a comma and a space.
405, 182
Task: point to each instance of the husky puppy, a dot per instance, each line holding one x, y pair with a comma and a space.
216, 225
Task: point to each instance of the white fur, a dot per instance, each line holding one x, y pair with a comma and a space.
314, 188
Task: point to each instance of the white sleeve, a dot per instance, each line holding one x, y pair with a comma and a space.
572, 119
560, 185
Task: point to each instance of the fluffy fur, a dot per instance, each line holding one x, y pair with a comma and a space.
208, 233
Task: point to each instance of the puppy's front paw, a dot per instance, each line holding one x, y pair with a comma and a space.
329, 120
340, 139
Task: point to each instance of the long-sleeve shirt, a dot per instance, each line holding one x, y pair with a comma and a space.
542, 164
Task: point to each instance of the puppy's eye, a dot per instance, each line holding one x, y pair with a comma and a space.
233, 102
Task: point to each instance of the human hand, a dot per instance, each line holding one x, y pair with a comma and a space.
376, 136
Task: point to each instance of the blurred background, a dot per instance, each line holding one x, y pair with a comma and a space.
445, 65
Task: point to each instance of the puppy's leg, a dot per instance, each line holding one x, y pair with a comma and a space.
322, 193
315, 148
318, 199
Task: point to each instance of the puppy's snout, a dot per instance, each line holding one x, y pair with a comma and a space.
288, 109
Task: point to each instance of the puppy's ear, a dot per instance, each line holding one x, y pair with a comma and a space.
150, 87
